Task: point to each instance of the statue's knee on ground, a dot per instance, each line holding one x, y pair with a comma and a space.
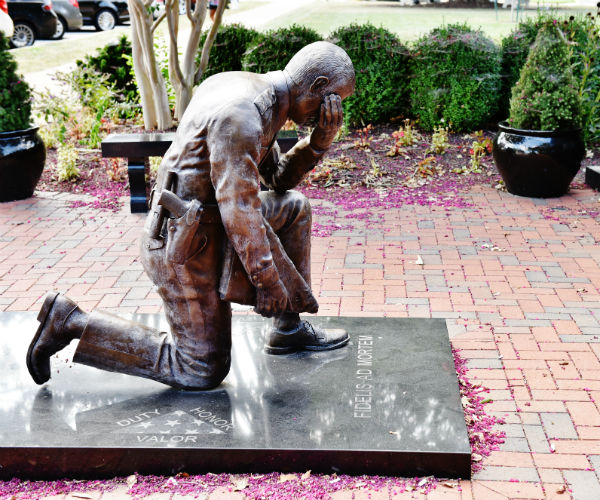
194, 375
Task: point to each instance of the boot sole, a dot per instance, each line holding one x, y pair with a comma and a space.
291, 349
42, 316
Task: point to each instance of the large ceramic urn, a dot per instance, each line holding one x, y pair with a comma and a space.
537, 163
22, 158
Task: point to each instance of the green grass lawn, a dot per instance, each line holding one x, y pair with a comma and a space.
40, 57
408, 22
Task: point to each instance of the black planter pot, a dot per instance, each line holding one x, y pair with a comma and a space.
536, 163
22, 158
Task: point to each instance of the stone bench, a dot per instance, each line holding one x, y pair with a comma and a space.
592, 176
138, 147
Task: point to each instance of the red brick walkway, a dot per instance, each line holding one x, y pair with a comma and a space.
517, 279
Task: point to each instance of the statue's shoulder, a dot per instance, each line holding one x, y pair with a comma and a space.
265, 101
243, 90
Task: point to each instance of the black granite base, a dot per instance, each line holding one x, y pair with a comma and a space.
388, 403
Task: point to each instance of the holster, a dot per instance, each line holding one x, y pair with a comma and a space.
181, 232
182, 228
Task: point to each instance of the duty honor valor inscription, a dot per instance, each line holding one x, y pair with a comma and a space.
173, 428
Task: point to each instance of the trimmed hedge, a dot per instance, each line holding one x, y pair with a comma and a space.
514, 49
228, 50
454, 73
456, 78
272, 50
382, 69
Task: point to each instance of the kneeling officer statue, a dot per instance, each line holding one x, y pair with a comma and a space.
212, 237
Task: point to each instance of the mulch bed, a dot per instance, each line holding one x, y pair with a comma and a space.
357, 177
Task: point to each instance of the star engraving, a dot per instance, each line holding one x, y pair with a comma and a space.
179, 413
191, 431
172, 423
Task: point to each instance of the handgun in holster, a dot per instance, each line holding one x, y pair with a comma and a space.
182, 227
159, 212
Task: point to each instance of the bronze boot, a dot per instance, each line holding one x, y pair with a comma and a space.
304, 337
51, 336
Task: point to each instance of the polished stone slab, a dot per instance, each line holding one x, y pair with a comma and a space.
388, 403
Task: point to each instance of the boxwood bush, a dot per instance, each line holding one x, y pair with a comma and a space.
514, 49
584, 44
382, 70
456, 78
546, 96
271, 51
228, 50
15, 95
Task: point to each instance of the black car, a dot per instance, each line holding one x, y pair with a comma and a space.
69, 16
104, 14
32, 19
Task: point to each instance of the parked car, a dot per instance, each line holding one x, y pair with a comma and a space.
6, 24
69, 17
32, 19
104, 14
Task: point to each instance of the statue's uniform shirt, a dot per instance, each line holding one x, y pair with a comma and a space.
225, 144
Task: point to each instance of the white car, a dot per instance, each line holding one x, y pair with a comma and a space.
6, 24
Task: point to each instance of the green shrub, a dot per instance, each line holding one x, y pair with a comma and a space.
381, 63
98, 105
66, 163
272, 50
586, 70
514, 49
15, 95
584, 48
228, 50
546, 95
114, 61
456, 78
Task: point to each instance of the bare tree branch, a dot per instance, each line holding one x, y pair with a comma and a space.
175, 72
210, 39
159, 20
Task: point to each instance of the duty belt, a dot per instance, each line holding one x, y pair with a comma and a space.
206, 213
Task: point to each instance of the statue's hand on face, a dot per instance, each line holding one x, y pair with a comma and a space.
330, 121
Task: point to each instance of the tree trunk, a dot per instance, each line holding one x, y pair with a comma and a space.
153, 92
208, 43
186, 75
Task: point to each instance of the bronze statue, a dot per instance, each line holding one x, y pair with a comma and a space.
212, 237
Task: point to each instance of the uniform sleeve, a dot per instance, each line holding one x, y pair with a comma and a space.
283, 172
234, 154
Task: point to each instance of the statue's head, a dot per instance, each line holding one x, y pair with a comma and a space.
317, 70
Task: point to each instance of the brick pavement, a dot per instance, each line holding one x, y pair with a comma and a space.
517, 280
